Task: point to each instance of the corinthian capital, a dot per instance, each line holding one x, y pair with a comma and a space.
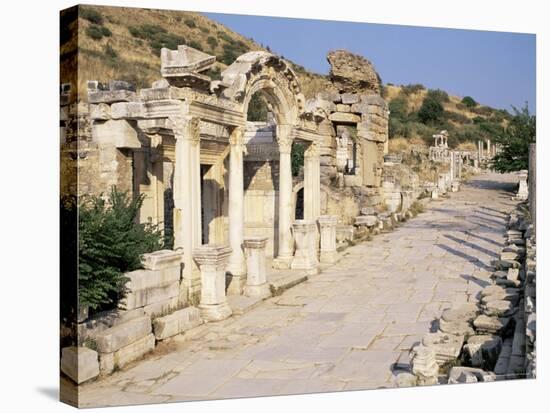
313, 150
237, 136
186, 127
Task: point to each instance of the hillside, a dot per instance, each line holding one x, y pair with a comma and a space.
124, 43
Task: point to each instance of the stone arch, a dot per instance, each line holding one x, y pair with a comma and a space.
274, 78
264, 72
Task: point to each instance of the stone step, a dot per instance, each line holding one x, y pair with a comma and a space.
241, 304
280, 282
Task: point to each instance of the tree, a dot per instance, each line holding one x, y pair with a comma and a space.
431, 111
469, 102
514, 142
110, 243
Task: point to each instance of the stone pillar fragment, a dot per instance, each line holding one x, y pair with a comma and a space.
286, 243
236, 266
256, 280
212, 260
304, 258
327, 224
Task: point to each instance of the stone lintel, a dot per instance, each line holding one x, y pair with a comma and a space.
112, 96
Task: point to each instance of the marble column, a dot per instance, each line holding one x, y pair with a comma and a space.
327, 224
187, 199
212, 260
286, 242
312, 182
304, 258
256, 280
237, 265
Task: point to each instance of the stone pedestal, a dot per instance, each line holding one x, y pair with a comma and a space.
212, 261
327, 225
256, 280
304, 258
523, 189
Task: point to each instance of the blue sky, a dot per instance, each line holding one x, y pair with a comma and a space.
495, 68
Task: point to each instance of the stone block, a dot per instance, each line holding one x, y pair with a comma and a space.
144, 279
465, 312
94, 325
366, 220
446, 346
160, 260
350, 98
118, 133
146, 296
125, 110
458, 327
163, 307
345, 117
123, 334
498, 308
343, 108
176, 323
108, 362
484, 350
112, 96
493, 325
101, 111
469, 375
79, 363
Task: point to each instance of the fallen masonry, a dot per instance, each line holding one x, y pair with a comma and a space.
495, 337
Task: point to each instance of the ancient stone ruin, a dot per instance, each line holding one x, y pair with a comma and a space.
244, 226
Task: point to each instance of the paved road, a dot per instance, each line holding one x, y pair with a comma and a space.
341, 330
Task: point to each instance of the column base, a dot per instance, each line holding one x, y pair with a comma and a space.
282, 263
305, 264
235, 284
260, 291
328, 257
193, 286
215, 312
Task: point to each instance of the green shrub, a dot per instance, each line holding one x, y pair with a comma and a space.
514, 142
224, 36
399, 107
469, 102
214, 73
93, 16
110, 52
204, 29
195, 45
431, 111
94, 32
212, 42
106, 32
437, 94
457, 117
190, 23
412, 88
110, 244
157, 37
483, 110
